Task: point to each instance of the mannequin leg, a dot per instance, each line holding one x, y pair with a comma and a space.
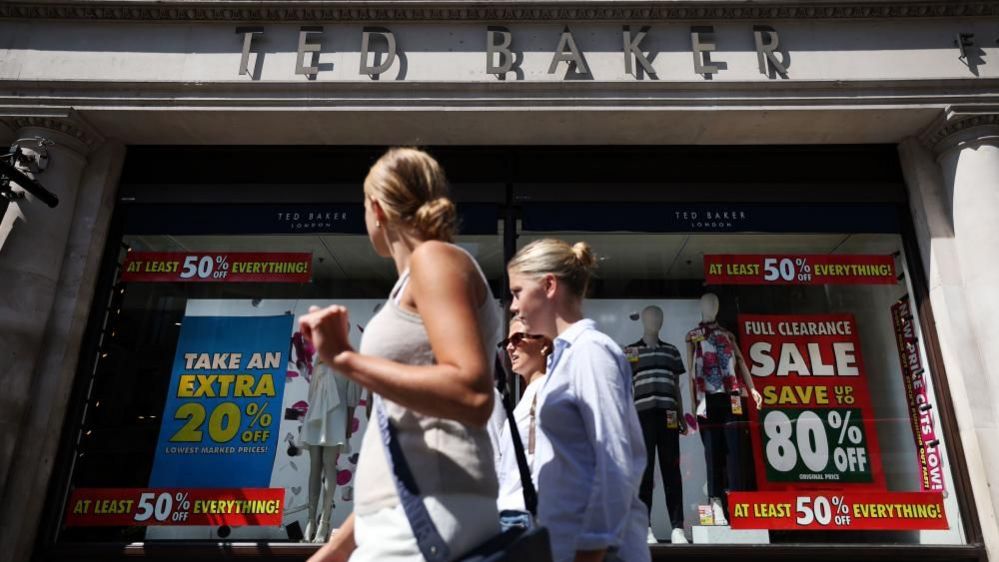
315, 486
713, 431
733, 458
669, 466
329, 456
648, 421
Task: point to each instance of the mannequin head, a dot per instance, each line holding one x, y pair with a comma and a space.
709, 307
652, 319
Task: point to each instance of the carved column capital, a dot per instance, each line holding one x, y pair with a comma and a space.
962, 126
68, 129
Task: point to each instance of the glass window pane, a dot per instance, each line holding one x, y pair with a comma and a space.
846, 446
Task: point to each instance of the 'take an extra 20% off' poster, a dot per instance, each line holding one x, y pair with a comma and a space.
218, 438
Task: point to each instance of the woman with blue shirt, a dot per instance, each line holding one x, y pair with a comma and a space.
590, 455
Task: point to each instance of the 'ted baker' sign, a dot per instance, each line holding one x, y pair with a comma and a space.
380, 50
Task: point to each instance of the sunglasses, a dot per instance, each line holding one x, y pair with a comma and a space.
517, 338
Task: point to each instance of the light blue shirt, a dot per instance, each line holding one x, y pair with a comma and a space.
590, 454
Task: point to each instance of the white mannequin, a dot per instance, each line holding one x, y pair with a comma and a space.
325, 434
652, 324
322, 478
709, 313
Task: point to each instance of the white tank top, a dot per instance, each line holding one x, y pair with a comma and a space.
445, 456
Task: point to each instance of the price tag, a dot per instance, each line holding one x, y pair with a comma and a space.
631, 354
736, 404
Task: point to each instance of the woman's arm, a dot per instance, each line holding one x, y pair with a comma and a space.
601, 382
446, 289
340, 546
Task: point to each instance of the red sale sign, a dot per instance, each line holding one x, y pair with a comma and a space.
217, 267
917, 396
821, 269
838, 511
122, 507
815, 429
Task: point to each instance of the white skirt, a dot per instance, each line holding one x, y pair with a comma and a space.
464, 521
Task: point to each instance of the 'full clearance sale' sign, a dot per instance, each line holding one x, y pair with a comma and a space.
818, 465
815, 429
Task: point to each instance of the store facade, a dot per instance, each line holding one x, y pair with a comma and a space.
820, 177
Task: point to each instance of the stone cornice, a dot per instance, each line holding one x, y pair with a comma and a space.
493, 11
72, 125
961, 124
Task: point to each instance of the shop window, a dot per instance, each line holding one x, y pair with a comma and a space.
208, 416
200, 402
811, 307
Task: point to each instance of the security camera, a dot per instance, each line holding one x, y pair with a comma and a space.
31, 153
9, 173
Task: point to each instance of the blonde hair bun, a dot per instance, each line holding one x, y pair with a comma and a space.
412, 190
572, 264
436, 219
585, 256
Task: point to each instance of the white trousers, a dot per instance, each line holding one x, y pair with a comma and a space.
463, 520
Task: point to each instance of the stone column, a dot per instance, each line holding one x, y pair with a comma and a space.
56, 368
952, 172
33, 242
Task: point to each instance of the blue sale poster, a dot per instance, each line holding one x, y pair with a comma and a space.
224, 405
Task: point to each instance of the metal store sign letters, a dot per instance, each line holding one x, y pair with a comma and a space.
500, 56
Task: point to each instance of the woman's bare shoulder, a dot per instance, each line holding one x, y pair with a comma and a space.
435, 256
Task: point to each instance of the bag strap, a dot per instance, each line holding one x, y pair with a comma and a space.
530, 493
429, 539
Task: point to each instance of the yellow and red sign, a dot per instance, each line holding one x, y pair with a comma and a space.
821, 269
815, 429
122, 507
218, 267
837, 511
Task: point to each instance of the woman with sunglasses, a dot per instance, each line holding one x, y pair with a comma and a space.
590, 454
528, 354
428, 357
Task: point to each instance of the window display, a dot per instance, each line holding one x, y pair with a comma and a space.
210, 416
808, 405
778, 371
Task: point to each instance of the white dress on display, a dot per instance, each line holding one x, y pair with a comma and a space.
330, 394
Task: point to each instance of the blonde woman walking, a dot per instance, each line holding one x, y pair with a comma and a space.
428, 356
590, 454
